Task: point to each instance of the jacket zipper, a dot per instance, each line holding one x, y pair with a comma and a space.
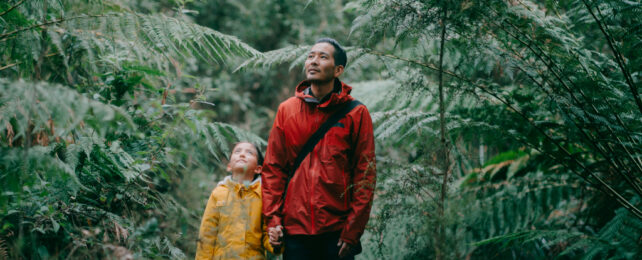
345, 188
312, 211
314, 152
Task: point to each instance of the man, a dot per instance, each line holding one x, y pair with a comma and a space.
328, 199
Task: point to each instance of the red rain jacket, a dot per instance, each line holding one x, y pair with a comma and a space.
333, 187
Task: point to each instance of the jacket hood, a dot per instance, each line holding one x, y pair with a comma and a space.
335, 98
231, 184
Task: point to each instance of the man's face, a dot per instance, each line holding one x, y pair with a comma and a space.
244, 158
319, 66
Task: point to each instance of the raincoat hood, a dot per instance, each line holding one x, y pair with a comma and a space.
339, 95
231, 184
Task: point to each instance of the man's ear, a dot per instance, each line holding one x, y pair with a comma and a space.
258, 169
338, 70
229, 167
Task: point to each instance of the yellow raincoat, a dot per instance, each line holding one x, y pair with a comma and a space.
232, 225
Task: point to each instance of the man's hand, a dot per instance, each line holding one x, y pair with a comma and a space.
276, 235
345, 248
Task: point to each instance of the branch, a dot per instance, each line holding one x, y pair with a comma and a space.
10, 65
20, 62
11, 8
416, 62
4, 35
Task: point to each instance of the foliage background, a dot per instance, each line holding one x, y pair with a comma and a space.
505, 129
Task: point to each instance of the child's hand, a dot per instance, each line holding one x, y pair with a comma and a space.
276, 235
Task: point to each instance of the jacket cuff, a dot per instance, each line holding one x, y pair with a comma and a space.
349, 238
274, 221
278, 250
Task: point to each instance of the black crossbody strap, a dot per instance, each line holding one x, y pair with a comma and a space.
318, 135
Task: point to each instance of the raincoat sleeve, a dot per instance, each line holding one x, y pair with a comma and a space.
363, 178
274, 176
208, 231
268, 246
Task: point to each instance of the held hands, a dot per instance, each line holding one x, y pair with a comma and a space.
344, 249
276, 235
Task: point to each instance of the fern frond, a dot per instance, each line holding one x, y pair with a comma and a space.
295, 55
27, 108
219, 137
116, 38
377, 95
175, 252
3, 250
621, 234
521, 193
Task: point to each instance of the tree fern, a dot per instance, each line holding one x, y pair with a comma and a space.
89, 142
89, 180
568, 112
550, 45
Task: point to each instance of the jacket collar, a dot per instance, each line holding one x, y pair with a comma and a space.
254, 186
339, 95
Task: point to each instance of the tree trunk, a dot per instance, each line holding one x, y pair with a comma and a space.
444, 153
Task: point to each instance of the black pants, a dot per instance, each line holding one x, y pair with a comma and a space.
322, 247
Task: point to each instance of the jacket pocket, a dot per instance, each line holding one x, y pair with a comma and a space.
334, 184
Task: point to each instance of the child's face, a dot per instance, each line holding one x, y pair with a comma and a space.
244, 159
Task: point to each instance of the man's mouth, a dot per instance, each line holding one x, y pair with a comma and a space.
313, 70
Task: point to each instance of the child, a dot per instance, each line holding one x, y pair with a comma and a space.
232, 225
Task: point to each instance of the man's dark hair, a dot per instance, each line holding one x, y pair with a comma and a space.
340, 57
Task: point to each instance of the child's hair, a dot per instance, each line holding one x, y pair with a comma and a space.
259, 155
